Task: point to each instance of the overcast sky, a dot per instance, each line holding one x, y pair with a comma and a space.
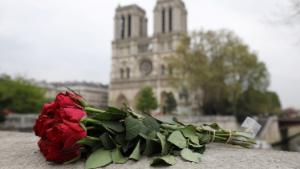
65, 40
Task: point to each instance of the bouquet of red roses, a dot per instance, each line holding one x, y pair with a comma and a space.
70, 129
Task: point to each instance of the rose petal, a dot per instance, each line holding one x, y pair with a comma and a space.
70, 114
64, 100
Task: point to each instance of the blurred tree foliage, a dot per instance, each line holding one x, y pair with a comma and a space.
227, 75
146, 100
254, 102
20, 96
169, 102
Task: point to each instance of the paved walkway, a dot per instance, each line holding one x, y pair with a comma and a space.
19, 151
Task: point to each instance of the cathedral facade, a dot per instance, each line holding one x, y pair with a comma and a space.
139, 60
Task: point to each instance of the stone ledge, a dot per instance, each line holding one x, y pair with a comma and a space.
19, 151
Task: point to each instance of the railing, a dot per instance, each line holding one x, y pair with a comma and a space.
20, 121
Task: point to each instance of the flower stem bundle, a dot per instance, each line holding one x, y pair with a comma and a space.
118, 135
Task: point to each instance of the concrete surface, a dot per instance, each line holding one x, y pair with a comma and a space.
19, 151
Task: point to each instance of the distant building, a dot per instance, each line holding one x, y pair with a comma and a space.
96, 94
139, 60
291, 113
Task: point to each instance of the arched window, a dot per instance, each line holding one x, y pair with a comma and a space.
121, 73
162, 70
121, 100
141, 26
170, 19
122, 27
184, 95
170, 70
128, 73
163, 19
129, 25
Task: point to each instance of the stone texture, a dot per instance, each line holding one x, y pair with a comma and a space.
19, 151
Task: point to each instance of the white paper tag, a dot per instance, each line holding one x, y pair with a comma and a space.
251, 126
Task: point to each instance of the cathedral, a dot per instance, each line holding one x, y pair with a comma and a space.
139, 59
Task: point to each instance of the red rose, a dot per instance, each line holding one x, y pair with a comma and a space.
68, 100
59, 128
64, 108
46, 119
42, 124
60, 145
49, 108
69, 114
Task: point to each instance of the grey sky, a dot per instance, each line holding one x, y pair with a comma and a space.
61, 40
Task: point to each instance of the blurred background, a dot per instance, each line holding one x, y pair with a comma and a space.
201, 61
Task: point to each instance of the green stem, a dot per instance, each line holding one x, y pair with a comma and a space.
89, 120
93, 110
93, 138
220, 138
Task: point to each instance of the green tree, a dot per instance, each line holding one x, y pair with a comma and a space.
221, 66
254, 102
169, 103
146, 100
20, 96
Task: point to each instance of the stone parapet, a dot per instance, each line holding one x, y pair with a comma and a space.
20, 151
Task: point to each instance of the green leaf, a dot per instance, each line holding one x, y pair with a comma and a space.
191, 144
120, 139
115, 110
89, 141
148, 134
109, 114
151, 147
72, 160
171, 126
99, 158
117, 157
163, 143
133, 127
111, 126
135, 114
189, 155
214, 126
115, 126
177, 121
144, 131
151, 123
190, 133
204, 138
128, 147
197, 148
135, 155
107, 141
177, 139
164, 160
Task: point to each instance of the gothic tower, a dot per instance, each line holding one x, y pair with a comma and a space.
170, 16
170, 22
130, 22
139, 60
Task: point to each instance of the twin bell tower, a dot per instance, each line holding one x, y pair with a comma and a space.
139, 60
